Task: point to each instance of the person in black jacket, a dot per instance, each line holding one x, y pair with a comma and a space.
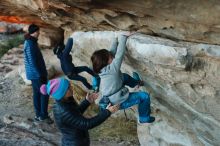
70, 70
69, 115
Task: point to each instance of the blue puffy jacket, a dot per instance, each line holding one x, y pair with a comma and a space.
34, 62
73, 125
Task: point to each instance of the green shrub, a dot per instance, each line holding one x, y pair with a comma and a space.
11, 43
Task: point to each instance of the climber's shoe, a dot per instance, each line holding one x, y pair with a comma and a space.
137, 77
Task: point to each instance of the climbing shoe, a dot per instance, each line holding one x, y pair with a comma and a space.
137, 77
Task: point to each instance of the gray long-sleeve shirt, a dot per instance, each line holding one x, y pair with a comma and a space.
111, 76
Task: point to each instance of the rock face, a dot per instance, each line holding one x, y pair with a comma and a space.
182, 79
11, 60
196, 21
33, 133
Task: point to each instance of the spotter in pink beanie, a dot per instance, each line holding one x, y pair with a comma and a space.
56, 88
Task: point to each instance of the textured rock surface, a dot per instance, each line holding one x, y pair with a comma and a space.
184, 20
49, 37
11, 60
182, 78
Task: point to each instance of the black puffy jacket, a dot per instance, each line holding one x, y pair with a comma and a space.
73, 125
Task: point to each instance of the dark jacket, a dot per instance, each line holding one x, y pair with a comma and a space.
66, 59
73, 125
34, 62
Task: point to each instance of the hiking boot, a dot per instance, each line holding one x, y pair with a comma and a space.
47, 120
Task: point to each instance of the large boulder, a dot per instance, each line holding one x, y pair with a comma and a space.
32, 133
182, 79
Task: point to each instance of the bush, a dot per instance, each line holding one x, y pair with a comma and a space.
11, 43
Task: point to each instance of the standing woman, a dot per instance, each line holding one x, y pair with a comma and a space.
36, 72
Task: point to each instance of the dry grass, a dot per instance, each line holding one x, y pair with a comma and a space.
114, 129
